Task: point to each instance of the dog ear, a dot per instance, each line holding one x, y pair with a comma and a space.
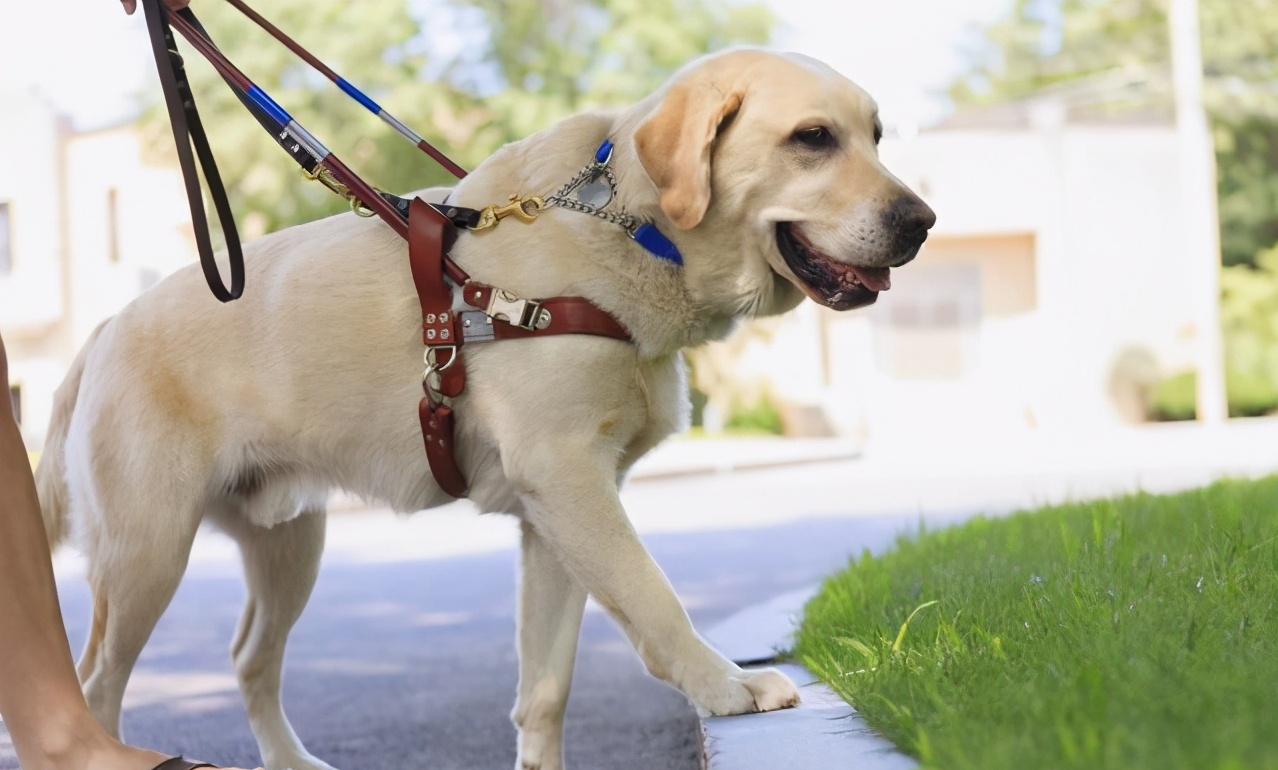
674, 145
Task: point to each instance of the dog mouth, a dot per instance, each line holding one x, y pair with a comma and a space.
832, 283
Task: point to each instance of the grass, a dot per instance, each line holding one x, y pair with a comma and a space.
1133, 633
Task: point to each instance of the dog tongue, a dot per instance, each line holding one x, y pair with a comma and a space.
874, 278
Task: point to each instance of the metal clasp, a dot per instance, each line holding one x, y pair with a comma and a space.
525, 208
324, 176
516, 311
431, 381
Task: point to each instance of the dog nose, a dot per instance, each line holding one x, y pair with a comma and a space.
910, 218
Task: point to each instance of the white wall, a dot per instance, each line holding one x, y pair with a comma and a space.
153, 230
30, 147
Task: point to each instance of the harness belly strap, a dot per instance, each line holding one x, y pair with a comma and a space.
429, 236
500, 315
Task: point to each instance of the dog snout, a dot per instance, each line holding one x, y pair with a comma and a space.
909, 219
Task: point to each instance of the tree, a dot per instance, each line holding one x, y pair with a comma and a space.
520, 66
1044, 44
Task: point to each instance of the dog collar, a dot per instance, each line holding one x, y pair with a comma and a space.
593, 189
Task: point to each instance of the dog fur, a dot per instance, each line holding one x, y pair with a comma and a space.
180, 409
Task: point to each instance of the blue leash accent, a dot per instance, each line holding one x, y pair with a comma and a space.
269, 105
359, 96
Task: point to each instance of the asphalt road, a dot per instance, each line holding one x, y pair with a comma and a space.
409, 662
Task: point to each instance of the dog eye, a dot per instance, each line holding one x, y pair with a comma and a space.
817, 137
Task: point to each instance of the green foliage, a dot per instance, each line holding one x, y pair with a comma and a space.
1138, 633
1249, 322
1176, 397
521, 65
1047, 43
1043, 44
1247, 394
762, 416
1249, 317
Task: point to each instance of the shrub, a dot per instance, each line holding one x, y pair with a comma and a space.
762, 416
1248, 394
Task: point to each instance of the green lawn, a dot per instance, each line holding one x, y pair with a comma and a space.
1132, 633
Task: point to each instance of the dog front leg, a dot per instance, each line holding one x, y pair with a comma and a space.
572, 502
550, 609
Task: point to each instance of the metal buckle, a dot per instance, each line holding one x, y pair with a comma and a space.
511, 308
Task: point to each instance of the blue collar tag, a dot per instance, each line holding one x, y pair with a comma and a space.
652, 239
604, 153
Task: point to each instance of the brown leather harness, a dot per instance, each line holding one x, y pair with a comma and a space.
498, 315
430, 229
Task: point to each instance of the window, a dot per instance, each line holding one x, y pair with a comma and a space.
926, 328
6, 240
15, 397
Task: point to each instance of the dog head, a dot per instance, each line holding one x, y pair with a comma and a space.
784, 149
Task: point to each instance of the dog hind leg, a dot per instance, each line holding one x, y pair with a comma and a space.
550, 609
133, 576
281, 564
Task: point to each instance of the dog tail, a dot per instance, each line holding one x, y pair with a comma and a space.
51, 473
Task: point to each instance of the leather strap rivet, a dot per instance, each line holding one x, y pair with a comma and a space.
441, 442
443, 318
444, 334
430, 318
433, 425
430, 334
479, 295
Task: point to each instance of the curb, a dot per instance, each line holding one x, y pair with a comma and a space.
822, 733
699, 457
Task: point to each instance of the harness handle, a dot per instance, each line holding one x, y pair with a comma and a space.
188, 131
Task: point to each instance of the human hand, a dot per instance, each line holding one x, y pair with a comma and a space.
176, 5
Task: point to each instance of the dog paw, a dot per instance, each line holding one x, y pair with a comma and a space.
748, 692
772, 690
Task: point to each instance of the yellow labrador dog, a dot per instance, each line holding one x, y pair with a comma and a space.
763, 171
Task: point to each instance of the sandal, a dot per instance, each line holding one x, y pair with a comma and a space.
178, 763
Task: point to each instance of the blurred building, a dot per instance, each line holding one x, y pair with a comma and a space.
85, 226
1052, 294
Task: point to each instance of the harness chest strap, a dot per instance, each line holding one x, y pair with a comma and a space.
506, 316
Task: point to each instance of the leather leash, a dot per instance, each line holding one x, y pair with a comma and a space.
188, 131
430, 229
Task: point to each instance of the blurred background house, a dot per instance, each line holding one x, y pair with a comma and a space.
1060, 291
85, 226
